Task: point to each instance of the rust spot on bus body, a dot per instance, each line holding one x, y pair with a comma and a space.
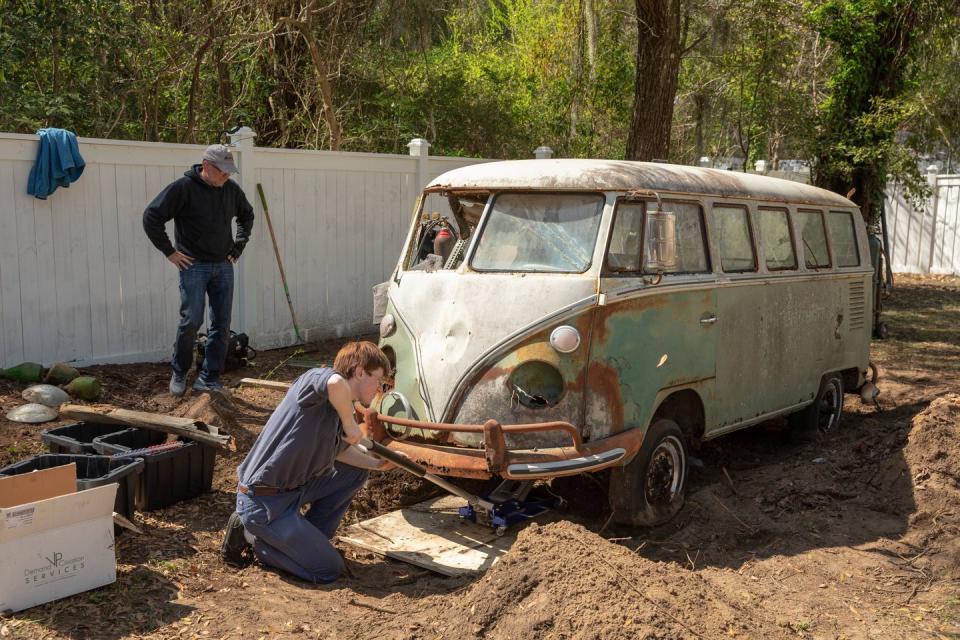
604, 382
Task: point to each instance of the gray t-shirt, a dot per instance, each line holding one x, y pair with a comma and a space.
301, 439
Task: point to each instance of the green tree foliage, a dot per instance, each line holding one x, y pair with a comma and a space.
854, 86
870, 92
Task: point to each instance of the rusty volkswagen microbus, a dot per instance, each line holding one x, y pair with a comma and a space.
555, 317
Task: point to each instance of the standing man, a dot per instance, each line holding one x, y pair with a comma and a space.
306, 455
202, 204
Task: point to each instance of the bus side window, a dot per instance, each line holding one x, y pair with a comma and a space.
691, 242
777, 241
733, 234
844, 238
814, 237
624, 252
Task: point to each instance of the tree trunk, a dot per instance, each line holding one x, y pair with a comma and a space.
658, 63
590, 22
189, 136
321, 68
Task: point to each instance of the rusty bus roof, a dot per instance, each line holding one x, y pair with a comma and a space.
622, 175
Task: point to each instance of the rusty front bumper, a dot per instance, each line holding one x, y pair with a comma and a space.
495, 459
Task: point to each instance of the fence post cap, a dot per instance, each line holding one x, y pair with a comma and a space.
242, 134
418, 147
543, 152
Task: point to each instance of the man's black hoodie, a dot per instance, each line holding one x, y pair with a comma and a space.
201, 218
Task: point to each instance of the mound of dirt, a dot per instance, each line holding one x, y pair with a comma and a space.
934, 444
932, 454
561, 580
214, 409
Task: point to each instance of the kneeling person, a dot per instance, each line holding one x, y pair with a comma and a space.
305, 455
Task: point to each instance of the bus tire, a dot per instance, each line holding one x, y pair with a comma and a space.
822, 416
649, 490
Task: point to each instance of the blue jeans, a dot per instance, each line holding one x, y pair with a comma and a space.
213, 280
300, 544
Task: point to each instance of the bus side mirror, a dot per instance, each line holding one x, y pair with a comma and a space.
661, 241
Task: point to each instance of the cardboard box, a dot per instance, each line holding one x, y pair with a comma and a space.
55, 541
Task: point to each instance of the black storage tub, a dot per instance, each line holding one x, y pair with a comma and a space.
168, 476
92, 471
77, 437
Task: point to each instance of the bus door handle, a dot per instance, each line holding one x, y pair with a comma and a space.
708, 320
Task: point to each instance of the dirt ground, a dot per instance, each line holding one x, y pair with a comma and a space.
854, 536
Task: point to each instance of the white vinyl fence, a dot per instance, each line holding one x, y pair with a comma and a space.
926, 239
79, 281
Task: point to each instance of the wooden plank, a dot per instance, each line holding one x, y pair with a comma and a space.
186, 427
432, 535
265, 384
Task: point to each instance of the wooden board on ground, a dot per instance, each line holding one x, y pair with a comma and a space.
432, 535
186, 427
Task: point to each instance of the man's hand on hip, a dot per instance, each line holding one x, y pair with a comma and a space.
182, 260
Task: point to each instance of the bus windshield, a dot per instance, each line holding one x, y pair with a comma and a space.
539, 232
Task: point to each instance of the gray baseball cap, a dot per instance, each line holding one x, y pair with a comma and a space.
221, 157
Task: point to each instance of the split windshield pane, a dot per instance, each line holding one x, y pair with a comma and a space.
539, 232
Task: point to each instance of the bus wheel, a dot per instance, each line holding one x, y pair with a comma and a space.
823, 415
649, 490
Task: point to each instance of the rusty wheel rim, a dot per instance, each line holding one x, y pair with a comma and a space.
665, 472
831, 404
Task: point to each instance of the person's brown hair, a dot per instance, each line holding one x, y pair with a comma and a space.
360, 354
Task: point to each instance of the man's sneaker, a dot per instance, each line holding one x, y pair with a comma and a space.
178, 385
234, 542
203, 385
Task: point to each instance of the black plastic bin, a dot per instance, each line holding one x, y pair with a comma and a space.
92, 471
77, 437
168, 476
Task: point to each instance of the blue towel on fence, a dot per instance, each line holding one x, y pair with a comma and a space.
58, 162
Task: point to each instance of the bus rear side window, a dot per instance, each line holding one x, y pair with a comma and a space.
814, 239
777, 241
733, 234
844, 238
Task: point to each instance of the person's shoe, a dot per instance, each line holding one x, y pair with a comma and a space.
234, 541
203, 385
178, 385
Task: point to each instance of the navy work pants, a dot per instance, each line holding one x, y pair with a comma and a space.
300, 544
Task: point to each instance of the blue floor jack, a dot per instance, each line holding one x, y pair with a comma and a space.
508, 505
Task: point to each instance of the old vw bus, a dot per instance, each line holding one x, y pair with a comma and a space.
554, 317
